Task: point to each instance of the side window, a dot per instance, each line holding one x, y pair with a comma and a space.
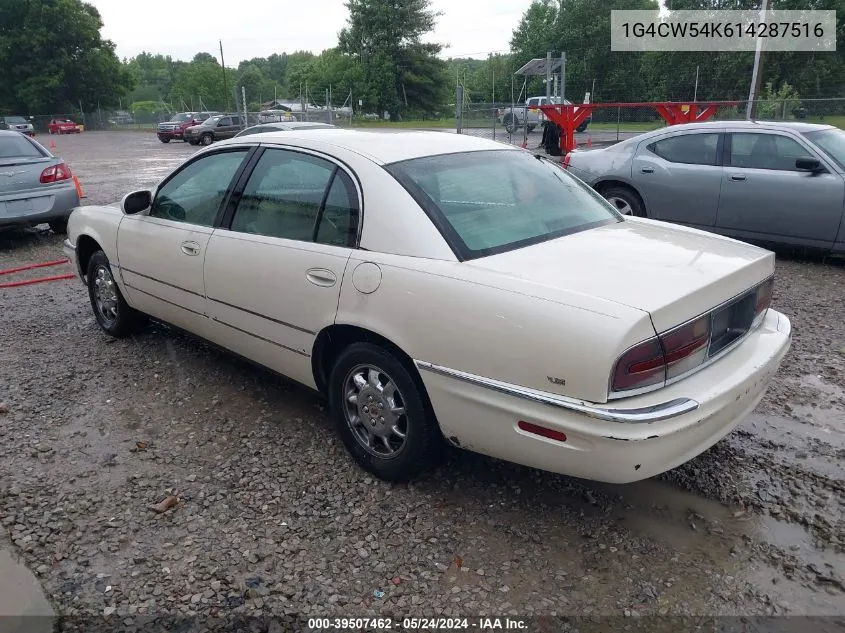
765, 151
194, 194
532, 103
236, 120
285, 195
339, 224
693, 149
224, 121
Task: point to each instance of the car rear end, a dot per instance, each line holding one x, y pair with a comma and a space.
35, 186
682, 348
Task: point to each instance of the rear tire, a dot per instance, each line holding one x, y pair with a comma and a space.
111, 311
388, 428
625, 200
531, 128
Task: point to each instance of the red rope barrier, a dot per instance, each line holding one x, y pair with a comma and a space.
14, 284
9, 271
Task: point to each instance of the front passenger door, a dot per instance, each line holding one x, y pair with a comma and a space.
161, 251
764, 196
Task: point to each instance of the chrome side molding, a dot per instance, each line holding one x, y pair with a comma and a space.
643, 415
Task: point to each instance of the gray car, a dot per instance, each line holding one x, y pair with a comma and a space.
774, 183
283, 126
214, 128
35, 186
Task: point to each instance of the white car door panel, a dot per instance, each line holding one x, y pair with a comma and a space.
273, 277
161, 251
161, 263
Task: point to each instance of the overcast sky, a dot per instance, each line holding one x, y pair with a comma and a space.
257, 28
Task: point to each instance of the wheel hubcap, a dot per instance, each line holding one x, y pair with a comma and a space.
375, 411
621, 205
105, 294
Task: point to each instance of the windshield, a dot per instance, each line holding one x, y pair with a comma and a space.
832, 142
18, 146
493, 201
17, 120
182, 116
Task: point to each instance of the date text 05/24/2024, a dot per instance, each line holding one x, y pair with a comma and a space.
417, 624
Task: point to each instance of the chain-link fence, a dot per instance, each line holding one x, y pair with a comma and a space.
521, 124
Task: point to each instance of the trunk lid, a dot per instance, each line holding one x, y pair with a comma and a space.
674, 273
23, 174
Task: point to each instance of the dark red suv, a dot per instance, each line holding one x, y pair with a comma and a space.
178, 123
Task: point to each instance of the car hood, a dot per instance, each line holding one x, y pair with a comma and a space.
674, 273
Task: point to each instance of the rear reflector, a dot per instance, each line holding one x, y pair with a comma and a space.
542, 431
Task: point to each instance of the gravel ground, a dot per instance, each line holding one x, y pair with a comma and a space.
272, 518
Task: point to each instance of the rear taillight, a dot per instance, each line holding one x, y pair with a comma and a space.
566, 160
686, 347
663, 357
764, 297
641, 366
56, 173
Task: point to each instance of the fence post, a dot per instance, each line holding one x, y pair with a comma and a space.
459, 109
618, 114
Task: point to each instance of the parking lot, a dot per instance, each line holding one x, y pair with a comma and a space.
274, 518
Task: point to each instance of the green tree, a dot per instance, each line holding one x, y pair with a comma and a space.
385, 38
49, 66
201, 84
204, 58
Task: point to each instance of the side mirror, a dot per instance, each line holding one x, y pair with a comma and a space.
136, 201
809, 164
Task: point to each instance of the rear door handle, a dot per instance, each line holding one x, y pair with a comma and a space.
647, 170
321, 277
190, 248
737, 177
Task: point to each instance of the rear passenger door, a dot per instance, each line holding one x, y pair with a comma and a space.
765, 197
680, 176
273, 269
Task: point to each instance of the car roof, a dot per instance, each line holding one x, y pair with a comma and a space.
795, 126
381, 146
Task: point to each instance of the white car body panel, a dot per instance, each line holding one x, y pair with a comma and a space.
529, 334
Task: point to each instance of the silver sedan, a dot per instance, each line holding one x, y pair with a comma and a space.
776, 183
35, 186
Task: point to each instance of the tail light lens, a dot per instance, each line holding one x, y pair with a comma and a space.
56, 173
682, 349
566, 160
663, 357
764, 299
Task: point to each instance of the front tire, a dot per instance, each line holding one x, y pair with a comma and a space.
511, 123
207, 139
380, 412
164, 140
111, 311
626, 200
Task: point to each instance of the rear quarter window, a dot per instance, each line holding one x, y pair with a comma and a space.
18, 146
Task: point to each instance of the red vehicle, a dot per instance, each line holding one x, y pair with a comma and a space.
62, 126
174, 129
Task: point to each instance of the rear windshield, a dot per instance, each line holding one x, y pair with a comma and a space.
832, 143
493, 201
18, 146
17, 120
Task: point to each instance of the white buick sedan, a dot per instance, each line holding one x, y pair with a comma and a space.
438, 286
